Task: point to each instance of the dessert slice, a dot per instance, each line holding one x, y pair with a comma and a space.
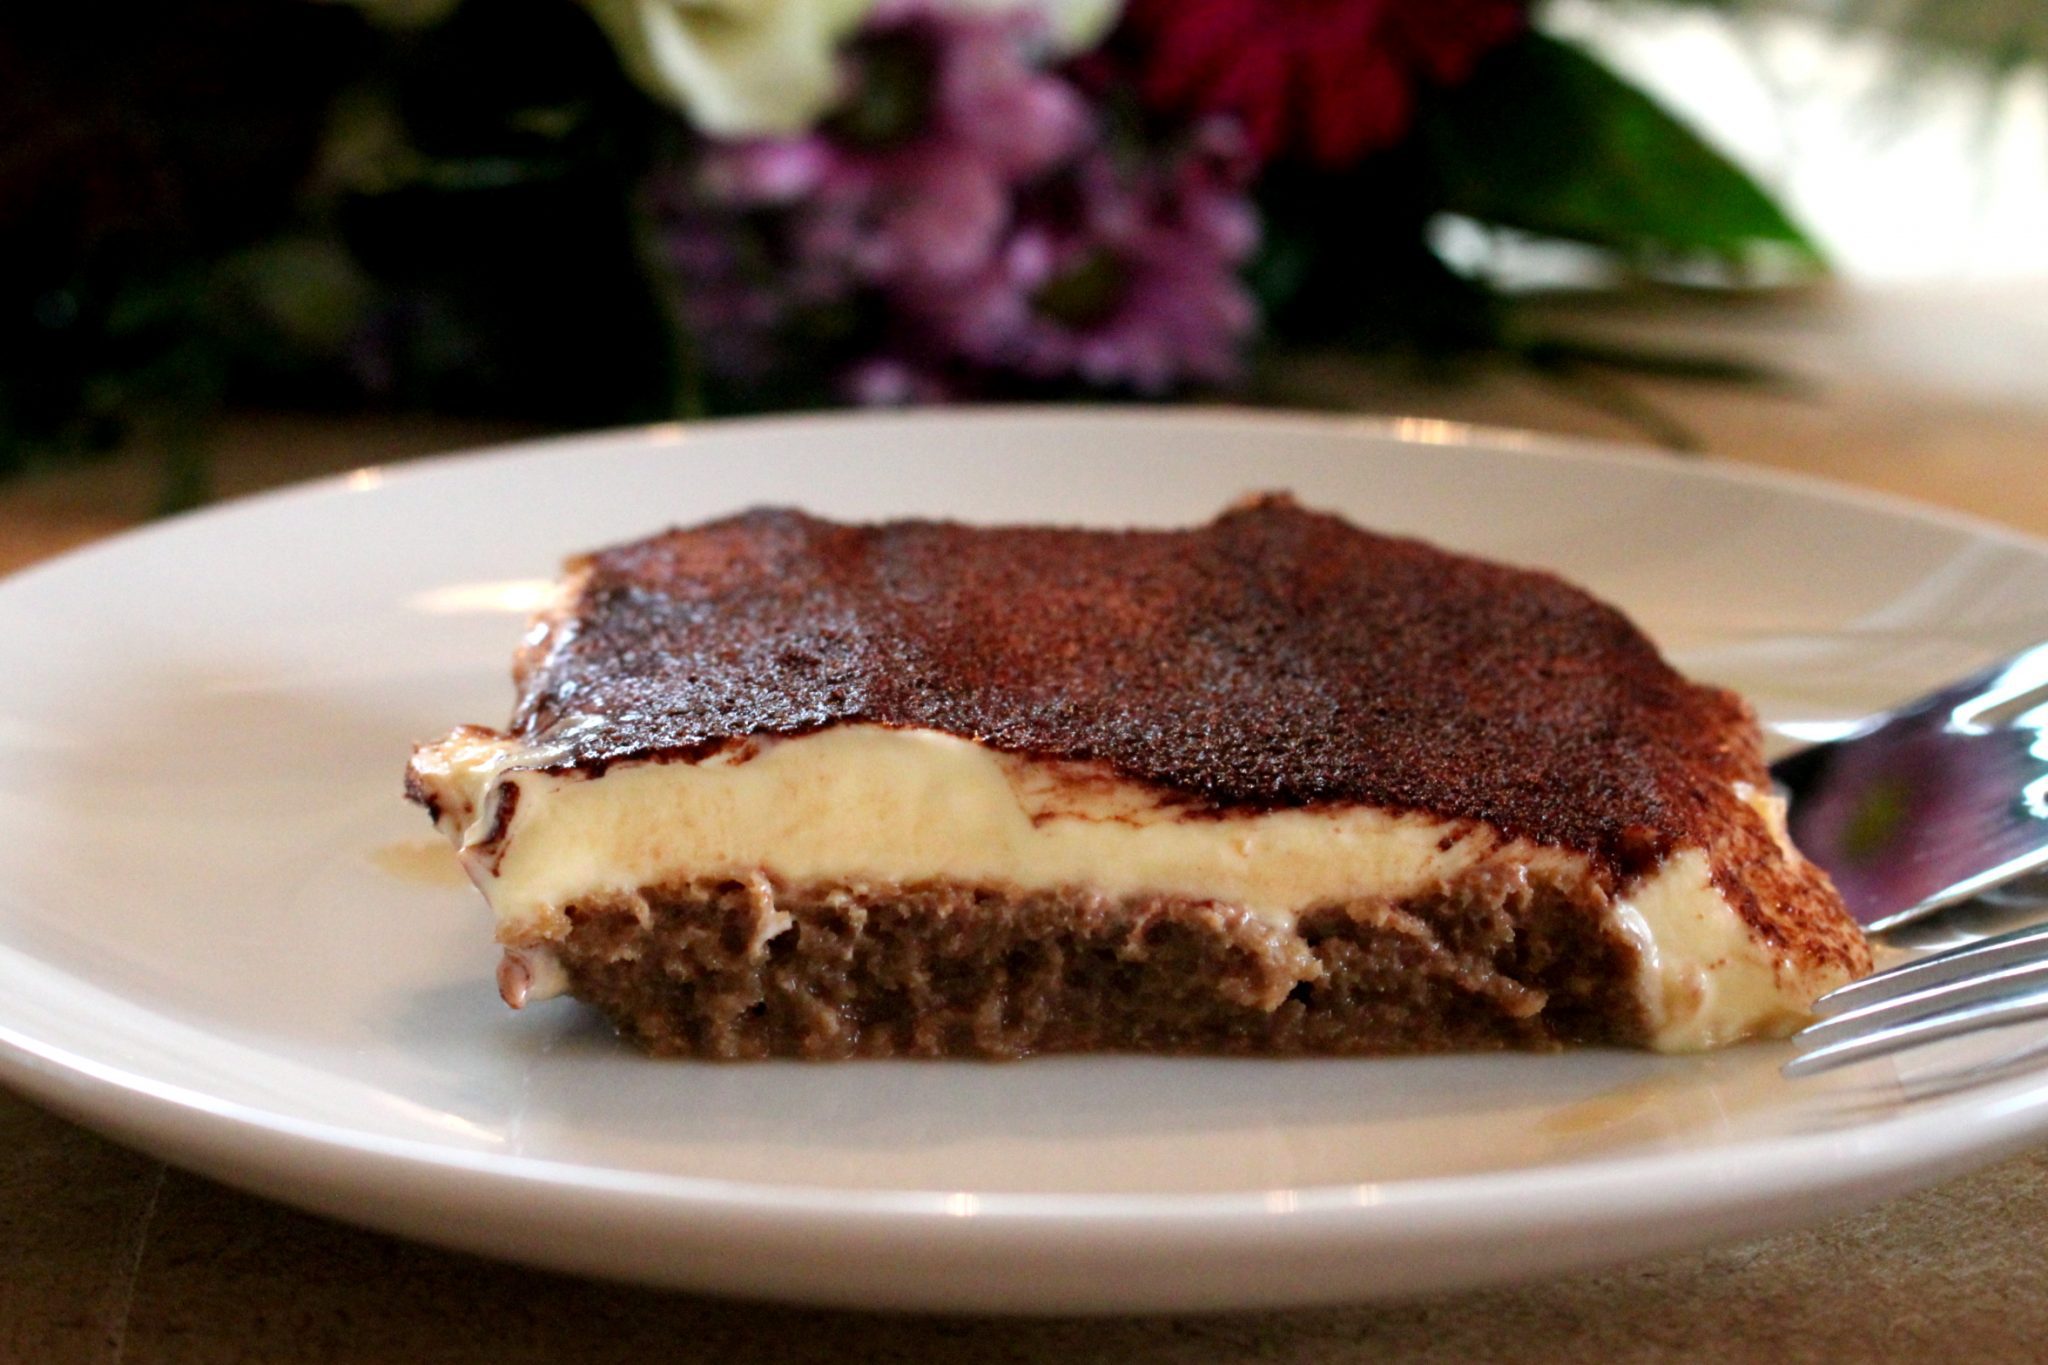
781, 786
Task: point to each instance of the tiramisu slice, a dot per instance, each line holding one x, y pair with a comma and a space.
780, 786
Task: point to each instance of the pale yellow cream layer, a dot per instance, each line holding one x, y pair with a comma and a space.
883, 805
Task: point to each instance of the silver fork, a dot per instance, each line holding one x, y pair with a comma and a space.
1988, 984
1931, 804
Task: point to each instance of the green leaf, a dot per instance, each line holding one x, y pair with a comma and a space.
1345, 261
1545, 139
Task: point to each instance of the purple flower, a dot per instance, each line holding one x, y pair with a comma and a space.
724, 297
887, 381
1121, 277
913, 176
963, 208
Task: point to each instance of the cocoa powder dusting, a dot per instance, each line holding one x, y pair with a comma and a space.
1276, 657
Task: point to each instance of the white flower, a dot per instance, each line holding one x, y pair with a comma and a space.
747, 67
735, 67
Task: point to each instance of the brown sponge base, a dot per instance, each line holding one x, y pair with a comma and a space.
726, 968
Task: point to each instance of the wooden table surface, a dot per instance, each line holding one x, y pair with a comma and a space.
106, 1255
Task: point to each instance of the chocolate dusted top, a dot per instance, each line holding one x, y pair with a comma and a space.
1274, 658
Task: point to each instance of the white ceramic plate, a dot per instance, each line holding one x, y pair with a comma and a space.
224, 938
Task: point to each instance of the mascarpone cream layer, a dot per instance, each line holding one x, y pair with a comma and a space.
888, 805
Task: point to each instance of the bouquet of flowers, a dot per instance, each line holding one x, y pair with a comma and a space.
606, 210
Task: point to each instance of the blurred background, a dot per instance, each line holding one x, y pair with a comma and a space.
249, 240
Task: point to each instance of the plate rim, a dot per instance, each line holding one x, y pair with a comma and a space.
1414, 432
1805, 1163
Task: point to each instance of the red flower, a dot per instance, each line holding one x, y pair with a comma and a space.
1328, 80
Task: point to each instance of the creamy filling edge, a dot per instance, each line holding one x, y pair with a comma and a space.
893, 805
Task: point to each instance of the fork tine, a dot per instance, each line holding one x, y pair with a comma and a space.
1974, 1006
1903, 1009
1972, 959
